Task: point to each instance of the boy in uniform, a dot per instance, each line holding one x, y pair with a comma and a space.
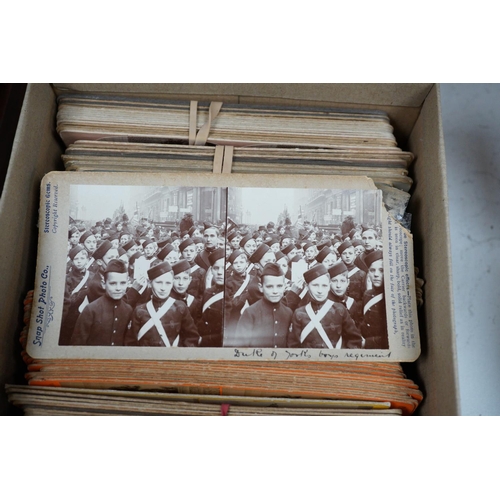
103, 256
211, 323
75, 293
180, 289
188, 252
374, 324
267, 322
130, 247
169, 254
282, 261
149, 246
322, 323
234, 238
357, 277
247, 243
210, 235
105, 321
89, 242
252, 291
370, 238
74, 236
326, 257
339, 286
310, 253
236, 286
163, 321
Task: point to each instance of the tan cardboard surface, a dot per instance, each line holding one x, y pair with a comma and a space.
384, 94
34, 153
429, 204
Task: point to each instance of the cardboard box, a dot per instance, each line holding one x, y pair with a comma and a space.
415, 113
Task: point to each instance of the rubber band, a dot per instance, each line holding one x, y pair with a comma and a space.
193, 113
227, 165
202, 136
218, 157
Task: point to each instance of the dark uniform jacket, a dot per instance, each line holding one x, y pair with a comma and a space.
96, 288
93, 267
374, 324
211, 325
336, 323
355, 307
233, 305
73, 302
197, 285
202, 259
263, 324
102, 322
176, 322
360, 261
132, 297
357, 283
191, 301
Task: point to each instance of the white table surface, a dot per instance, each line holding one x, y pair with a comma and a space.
471, 126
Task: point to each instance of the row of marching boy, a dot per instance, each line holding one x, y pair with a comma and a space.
209, 285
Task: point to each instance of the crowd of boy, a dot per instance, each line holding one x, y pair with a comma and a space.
218, 285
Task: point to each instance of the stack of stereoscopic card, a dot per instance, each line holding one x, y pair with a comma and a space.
176, 147
386, 166
149, 120
112, 387
38, 401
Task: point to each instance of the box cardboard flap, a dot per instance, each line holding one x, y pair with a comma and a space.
381, 94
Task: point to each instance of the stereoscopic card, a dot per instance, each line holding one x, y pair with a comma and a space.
176, 266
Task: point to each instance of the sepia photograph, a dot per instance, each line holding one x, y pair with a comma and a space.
305, 269
140, 267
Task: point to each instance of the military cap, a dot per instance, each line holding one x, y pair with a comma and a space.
75, 251
184, 244
216, 255
234, 255
245, 240
279, 255
85, 235
323, 253
371, 257
344, 246
315, 272
102, 249
337, 269
181, 267
155, 271
232, 235
259, 253
115, 266
128, 245
165, 251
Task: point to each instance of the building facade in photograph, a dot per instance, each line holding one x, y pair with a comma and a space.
169, 204
329, 207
